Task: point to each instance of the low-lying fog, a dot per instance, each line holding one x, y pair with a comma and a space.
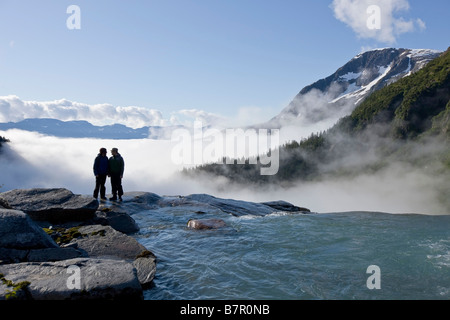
33, 160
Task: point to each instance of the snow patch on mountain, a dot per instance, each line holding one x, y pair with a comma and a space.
360, 92
329, 99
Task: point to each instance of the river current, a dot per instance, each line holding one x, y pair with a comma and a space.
298, 256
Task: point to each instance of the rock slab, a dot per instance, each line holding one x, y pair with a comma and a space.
98, 279
54, 205
285, 206
106, 242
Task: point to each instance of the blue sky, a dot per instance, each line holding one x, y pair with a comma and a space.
220, 56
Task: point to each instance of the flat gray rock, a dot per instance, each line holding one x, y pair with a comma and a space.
53, 205
98, 279
104, 241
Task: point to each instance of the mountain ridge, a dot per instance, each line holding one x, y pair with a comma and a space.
411, 103
339, 93
84, 129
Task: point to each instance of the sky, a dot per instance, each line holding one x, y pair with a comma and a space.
241, 59
153, 62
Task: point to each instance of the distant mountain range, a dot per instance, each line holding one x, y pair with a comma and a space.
84, 129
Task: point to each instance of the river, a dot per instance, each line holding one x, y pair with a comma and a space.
285, 256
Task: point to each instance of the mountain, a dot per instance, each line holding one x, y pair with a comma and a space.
337, 95
84, 129
406, 123
410, 107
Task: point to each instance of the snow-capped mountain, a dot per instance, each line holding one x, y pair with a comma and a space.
337, 95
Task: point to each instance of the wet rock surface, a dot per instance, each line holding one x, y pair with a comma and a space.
206, 224
55, 205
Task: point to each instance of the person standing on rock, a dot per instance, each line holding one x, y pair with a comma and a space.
116, 169
101, 170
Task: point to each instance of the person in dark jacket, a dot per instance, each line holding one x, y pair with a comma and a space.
101, 170
116, 169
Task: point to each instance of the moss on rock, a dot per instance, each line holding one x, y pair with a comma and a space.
63, 236
18, 290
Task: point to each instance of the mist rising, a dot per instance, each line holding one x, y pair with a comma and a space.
31, 160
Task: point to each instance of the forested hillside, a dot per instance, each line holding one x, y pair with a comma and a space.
406, 122
3, 140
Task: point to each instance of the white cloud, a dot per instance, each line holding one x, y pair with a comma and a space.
354, 13
187, 117
13, 109
421, 24
253, 115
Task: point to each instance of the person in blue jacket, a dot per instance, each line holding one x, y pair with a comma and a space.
101, 171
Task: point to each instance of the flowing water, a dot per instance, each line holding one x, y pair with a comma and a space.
296, 256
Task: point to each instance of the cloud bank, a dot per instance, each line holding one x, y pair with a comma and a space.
32, 160
14, 109
355, 14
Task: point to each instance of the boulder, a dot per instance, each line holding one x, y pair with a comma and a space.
285, 206
105, 242
145, 265
118, 220
53, 205
207, 224
99, 279
147, 198
138, 201
18, 231
22, 240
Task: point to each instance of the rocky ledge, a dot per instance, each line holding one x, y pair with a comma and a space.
60, 246
57, 245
